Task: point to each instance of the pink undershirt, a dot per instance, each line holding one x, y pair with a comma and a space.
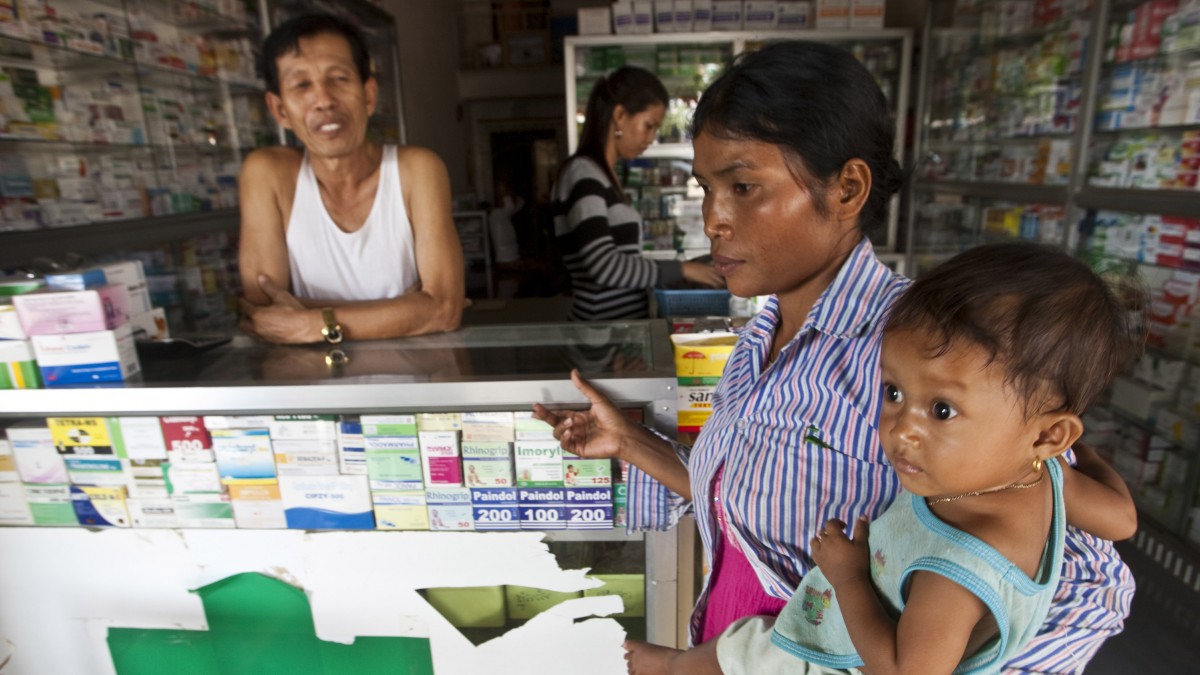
735, 591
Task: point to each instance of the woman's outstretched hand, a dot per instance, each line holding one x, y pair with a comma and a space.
602, 431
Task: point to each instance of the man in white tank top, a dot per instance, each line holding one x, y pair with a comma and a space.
346, 238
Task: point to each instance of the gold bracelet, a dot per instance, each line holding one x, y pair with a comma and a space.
332, 330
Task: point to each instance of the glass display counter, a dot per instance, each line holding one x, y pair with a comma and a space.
475, 369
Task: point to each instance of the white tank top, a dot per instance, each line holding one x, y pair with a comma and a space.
375, 262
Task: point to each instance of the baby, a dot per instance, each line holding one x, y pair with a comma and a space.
988, 362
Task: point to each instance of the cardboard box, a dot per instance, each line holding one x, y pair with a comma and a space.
400, 510
594, 20
589, 508
389, 425
33, 453
14, 510
80, 435
105, 356
832, 14
243, 454
866, 14
18, 365
440, 460
306, 457
257, 504
449, 508
439, 421
50, 504
352, 451
542, 508
538, 463
487, 464
187, 439
495, 509
327, 502
212, 510
97, 506
60, 312
139, 438
394, 463
8, 468
158, 512
488, 427
726, 15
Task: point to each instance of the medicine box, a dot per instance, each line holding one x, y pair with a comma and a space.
49, 312
194, 478
449, 508
302, 427
34, 455
204, 510
14, 510
104, 356
327, 502
832, 14
148, 479
139, 438
439, 422
80, 435
542, 508
760, 14
487, 464
100, 506
487, 427
257, 504
352, 453
187, 439
394, 463
580, 472
589, 508
400, 510
101, 470
77, 280
313, 457
243, 454
702, 16
866, 14
8, 469
10, 323
726, 15
594, 20
440, 459
495, 508
538, 463
18, 365
526, 427
50, 504
389, 425
158, 512
794, 15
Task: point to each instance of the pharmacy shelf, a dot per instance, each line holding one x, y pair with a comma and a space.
1183, 203
23, 247
1016, 192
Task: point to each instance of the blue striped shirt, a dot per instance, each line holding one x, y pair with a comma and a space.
799, 443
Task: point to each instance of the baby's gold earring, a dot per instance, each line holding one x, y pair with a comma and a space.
1037, 465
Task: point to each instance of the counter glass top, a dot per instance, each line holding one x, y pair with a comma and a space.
487, 365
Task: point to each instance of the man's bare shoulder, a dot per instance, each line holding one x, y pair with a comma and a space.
413, 156
274, 159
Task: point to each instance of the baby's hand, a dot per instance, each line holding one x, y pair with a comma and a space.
839, 557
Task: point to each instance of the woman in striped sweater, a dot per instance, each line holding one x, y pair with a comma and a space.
599, 233
794, 151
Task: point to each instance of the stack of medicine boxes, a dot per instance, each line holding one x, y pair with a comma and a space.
18, 369
80, 324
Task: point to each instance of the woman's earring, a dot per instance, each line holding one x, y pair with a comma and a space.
618, 133
1037, 465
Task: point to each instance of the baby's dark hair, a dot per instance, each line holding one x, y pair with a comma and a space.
1057, 328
